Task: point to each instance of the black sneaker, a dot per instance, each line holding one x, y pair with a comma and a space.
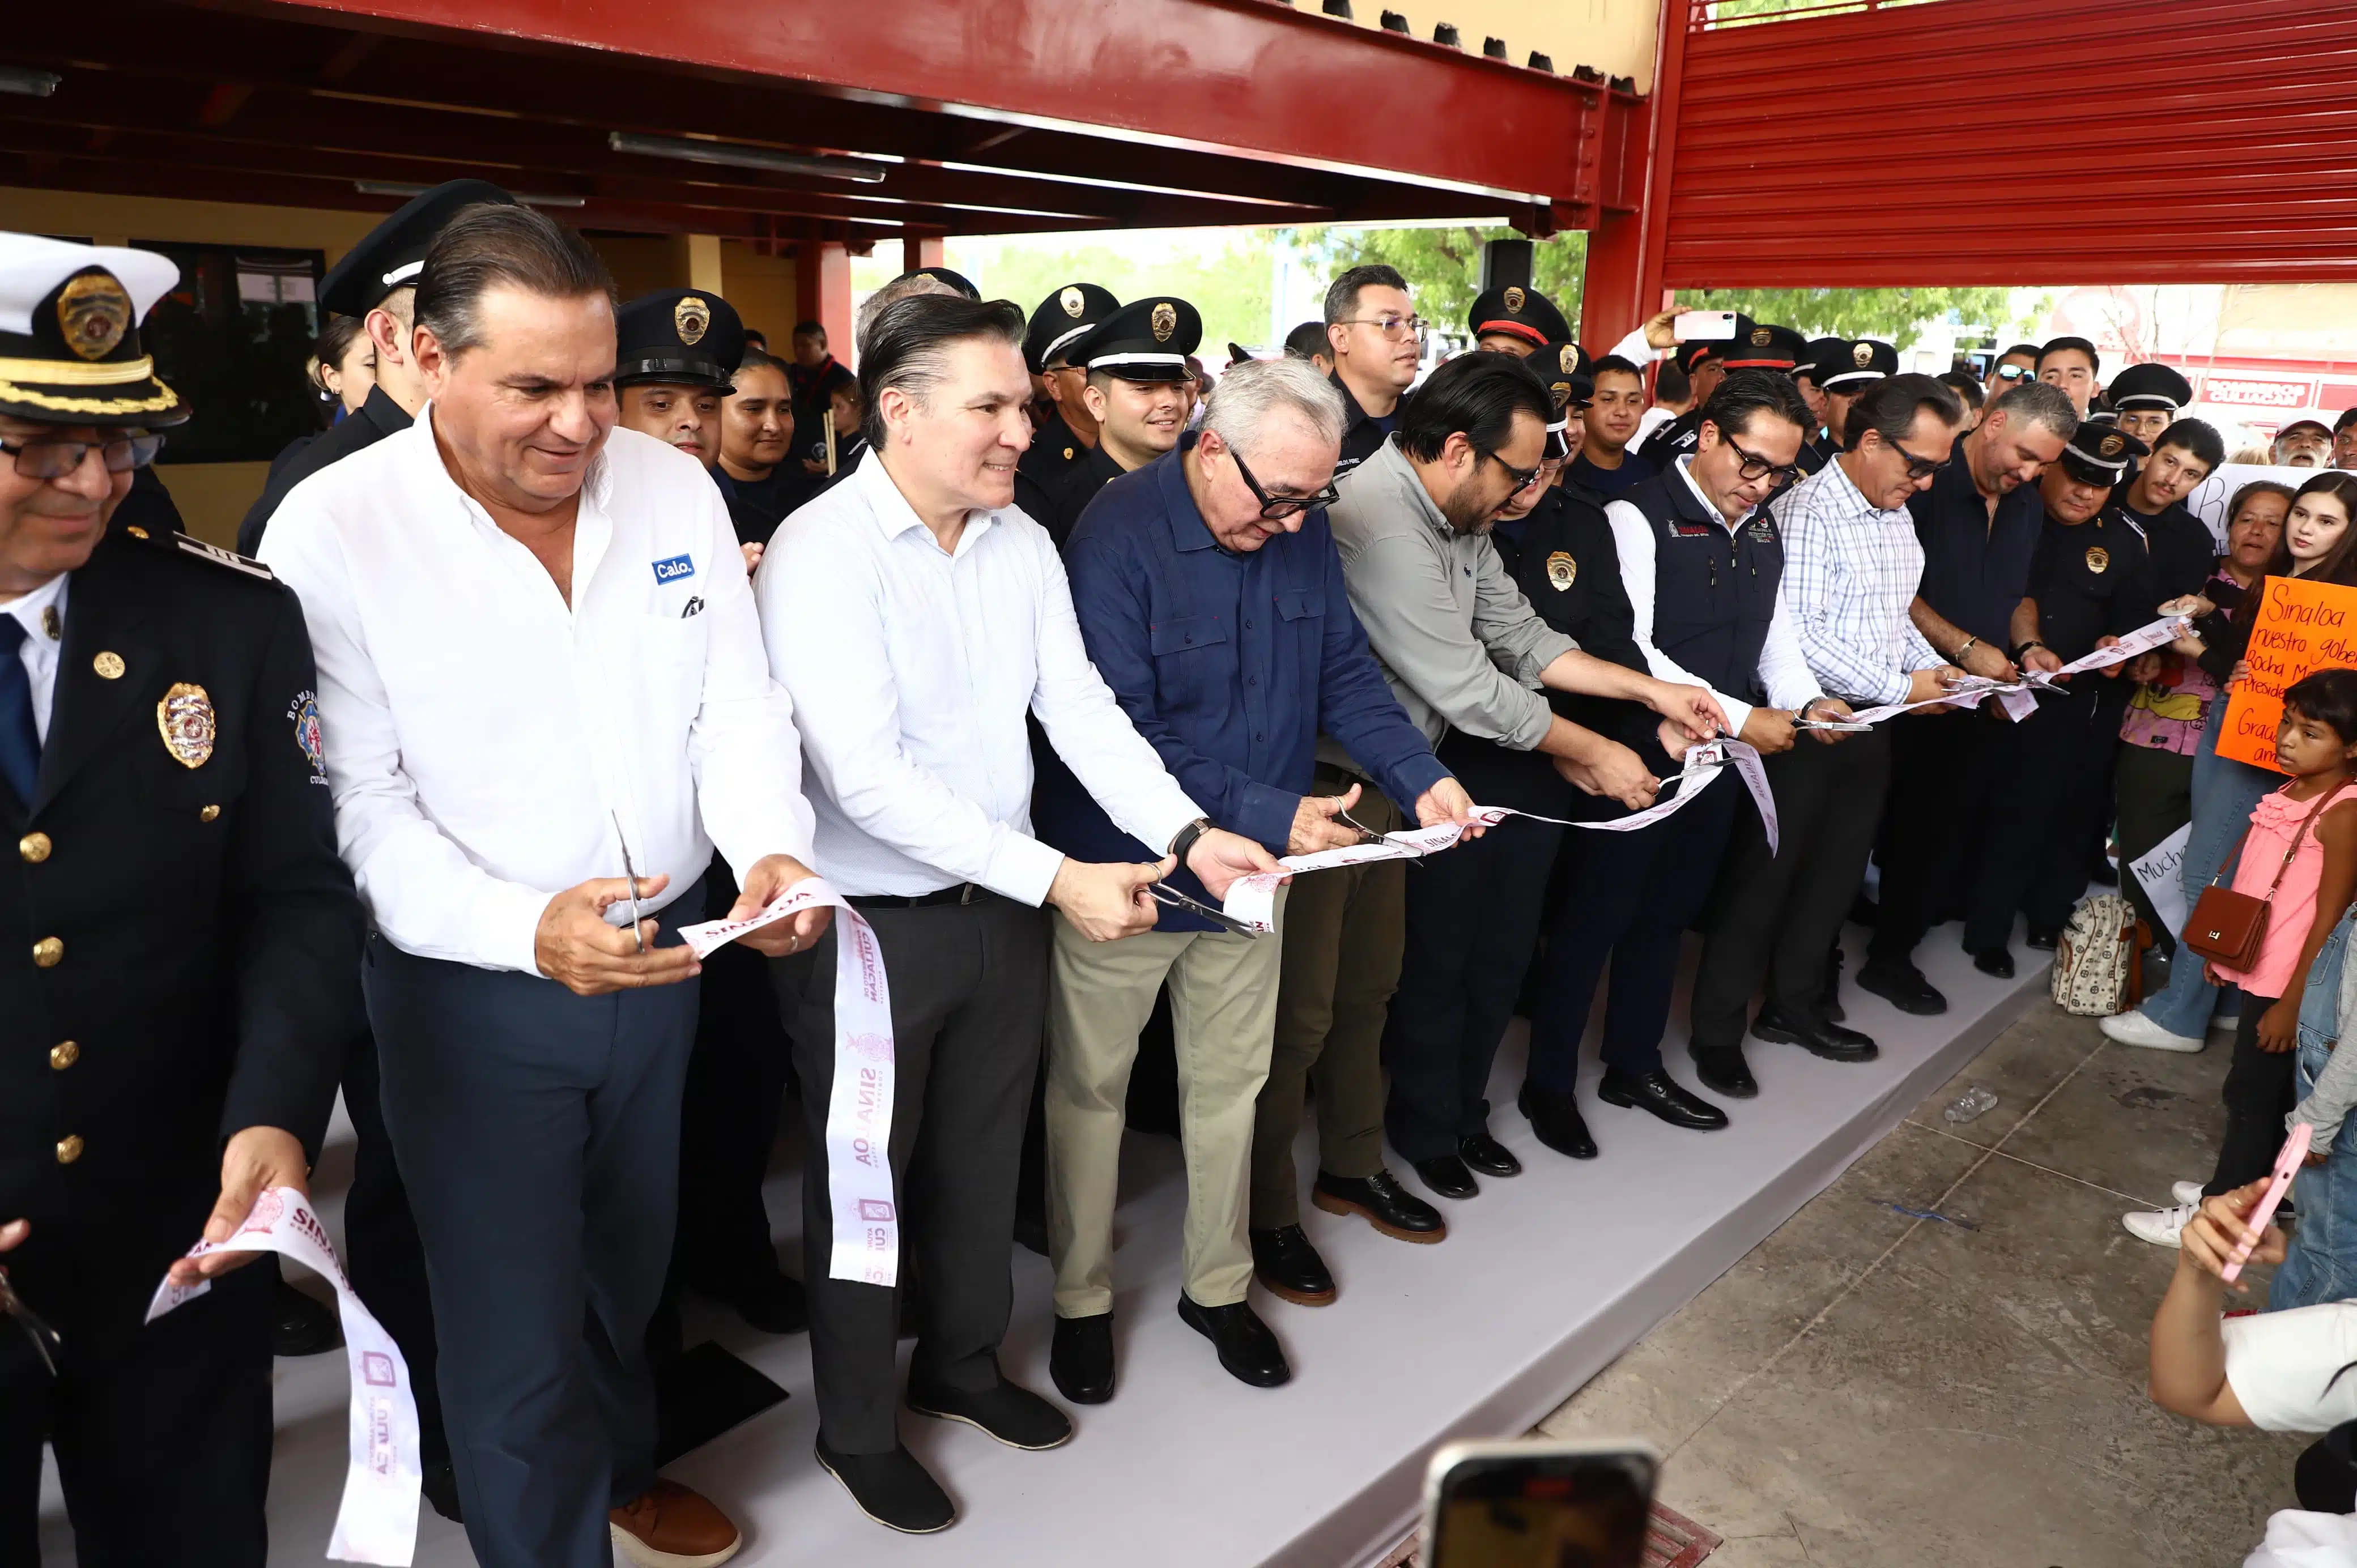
1016, 1416
891, 1489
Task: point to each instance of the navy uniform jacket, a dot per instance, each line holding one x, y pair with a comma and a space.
1055, 501
180, 944
1228, 663
2091, 581
1053, 449
377, 418
1570, 569
1363, 433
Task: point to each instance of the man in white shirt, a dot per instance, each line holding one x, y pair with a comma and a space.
916, 615
543, 685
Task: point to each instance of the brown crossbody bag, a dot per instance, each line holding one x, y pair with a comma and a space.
2227, 926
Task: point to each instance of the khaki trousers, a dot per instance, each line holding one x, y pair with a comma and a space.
1222, 1008
1344, 932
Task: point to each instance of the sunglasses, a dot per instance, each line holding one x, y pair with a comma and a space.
56, 459
1917, 467
1523, 477
1276, 508
2014, 374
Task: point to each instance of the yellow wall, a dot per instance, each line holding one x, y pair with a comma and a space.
1615, 36
214, 497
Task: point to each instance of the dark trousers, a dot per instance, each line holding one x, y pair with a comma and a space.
2257, 1095
1473, 917
969, 986
1945, 770
539, 1134
1776, 917
2060, 788
2154, 793
382, 1255
162, 1431
728, 1117
1628, 898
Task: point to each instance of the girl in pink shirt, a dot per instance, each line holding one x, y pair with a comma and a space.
2308, 831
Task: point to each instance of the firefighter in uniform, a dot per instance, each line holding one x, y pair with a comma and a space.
1066, 431
179, 945
1136, 362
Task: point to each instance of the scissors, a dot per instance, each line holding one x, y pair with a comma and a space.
632, 872
1163, 893
1368, 835
46, 1340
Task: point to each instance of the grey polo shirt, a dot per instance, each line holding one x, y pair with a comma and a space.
1460, 645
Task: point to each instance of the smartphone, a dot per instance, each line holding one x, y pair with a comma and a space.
1537, 1503
2287, 1164
1704, 325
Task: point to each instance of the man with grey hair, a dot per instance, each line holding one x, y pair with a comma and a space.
1211, 600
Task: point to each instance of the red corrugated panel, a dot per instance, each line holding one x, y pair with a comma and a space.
2019, 141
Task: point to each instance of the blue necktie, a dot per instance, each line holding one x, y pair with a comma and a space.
20, 739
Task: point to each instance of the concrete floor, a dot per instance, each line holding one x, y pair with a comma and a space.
1866, 1388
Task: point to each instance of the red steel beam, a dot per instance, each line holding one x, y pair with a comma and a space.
1254, 76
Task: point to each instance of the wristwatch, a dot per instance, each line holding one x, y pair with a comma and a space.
1958, 658
1185, 842
2022, 648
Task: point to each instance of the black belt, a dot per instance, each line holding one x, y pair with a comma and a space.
961, 893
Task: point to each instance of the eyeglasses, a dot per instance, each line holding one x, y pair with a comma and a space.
1523, 477
56, 459
1276, 508
2014, 372
1755, 466
1917, 467
1398, 326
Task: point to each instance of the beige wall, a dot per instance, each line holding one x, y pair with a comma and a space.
1615, 36
214, 497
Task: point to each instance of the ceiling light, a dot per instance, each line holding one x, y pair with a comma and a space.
27, 82
393, 188
733, 155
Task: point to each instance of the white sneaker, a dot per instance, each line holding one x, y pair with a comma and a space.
2133, 1028
2161, 1226
2225, 1024
2187, 1192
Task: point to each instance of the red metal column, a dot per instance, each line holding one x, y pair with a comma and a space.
1625, 250
923, 251
823, 291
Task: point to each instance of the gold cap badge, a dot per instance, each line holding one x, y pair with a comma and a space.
2098, 559
1514, 298
1165, 321
1760, 337
185, 719
1566, 359
1073, 300
93, 312
1562, 571
692, 317
1862, 355
2113, 447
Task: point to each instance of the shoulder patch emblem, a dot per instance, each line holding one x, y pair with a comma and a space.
303, 713
190, 545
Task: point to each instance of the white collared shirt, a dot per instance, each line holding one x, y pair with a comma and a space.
1783, 669
44, 638
912, 669
483, 736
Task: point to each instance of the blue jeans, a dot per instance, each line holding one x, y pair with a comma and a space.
2225, 792
2321, 1265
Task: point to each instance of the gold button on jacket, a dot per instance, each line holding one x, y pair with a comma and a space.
48, 952
34, 847
70, 1149
64, 1053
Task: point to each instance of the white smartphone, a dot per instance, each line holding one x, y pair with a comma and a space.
1538, 1503
1704, 325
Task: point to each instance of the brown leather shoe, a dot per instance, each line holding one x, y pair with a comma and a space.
667, 1525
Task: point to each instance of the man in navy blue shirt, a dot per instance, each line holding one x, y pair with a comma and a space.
1212, 601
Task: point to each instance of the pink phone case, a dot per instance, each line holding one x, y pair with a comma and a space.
2287, 1164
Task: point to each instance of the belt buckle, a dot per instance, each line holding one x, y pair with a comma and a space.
968, 893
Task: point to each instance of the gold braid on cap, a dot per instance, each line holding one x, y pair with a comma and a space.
11, 392
65, 373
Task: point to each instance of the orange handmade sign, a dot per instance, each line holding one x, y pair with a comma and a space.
2302, 627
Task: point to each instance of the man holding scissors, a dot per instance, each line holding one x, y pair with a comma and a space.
1212, 601
543, 687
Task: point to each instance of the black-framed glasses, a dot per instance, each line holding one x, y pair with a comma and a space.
1523, 477
1395, 327
1917, 467
56, 459
2015, 372
1755, 466
1276, 508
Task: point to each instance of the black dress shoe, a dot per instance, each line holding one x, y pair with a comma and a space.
1387, 1206
2041, 938
1016, 1416
1832, 1002
1248, 1349
1723, 1070
1447, 1175
891, 1489
1289, 1268
1079, 1359
1998, 962
1662, 1095
1903, 986
1556, 1120
1818, 1037
301, 1324
1488, 1156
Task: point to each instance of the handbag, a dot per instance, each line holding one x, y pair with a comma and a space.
2226, 927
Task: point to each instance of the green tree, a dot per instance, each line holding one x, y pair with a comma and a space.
1223, 274
1898, 315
